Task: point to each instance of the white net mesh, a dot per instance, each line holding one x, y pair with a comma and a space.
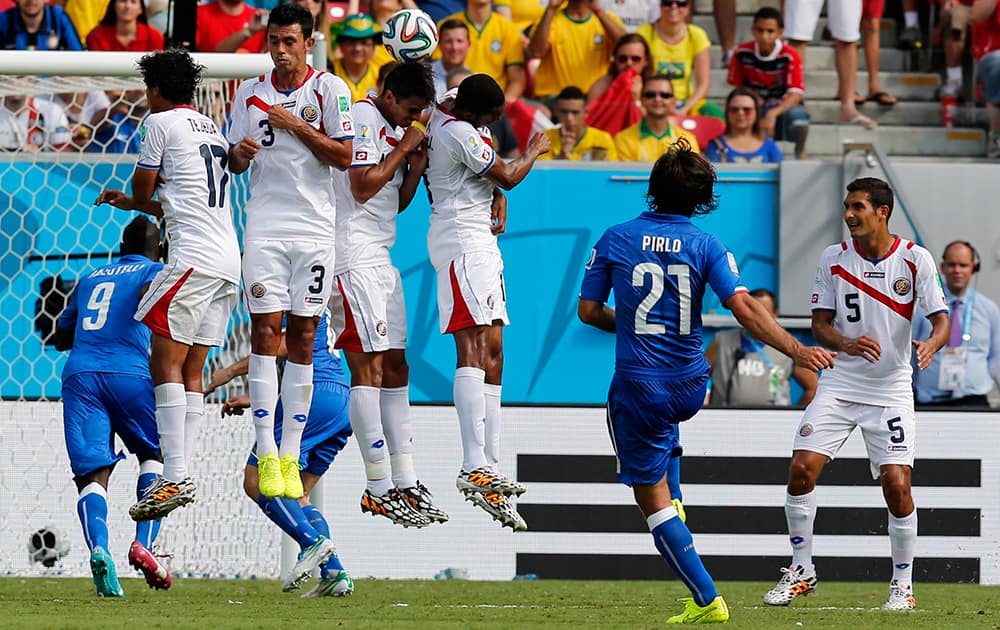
66, 138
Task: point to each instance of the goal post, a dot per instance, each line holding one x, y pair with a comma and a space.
75, 119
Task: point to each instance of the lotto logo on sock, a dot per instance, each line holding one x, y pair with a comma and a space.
260, 413
903, 565
299, 417
378, 444
797, 540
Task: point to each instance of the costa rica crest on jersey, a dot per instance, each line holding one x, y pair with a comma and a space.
310, 113
902, 286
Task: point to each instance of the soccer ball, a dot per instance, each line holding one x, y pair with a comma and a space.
47, 546
410, 35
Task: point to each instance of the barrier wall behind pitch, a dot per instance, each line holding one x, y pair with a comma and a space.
582, 523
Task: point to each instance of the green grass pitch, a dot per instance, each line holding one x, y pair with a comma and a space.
220, 604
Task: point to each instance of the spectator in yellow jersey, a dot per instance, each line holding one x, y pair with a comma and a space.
574, 45
453, 44
357, 41
495, 47
681, 52
573, 140
650, 138
523, 13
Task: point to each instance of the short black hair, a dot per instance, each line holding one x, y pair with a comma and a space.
141, 236
410, 79
769, 13
573, 93
682, 182
174, 72
479, 94
292, 13
453, 24
879, 192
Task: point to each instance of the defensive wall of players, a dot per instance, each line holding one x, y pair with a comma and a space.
582, 523
776, 222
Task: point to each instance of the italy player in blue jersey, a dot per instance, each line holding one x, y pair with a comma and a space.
107, 390
326, 433
658, 266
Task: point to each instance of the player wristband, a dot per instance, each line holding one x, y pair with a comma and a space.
419, 125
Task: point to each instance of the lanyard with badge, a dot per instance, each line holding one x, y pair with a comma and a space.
776, 374
951, 376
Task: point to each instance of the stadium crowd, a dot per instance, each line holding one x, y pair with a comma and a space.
538, 52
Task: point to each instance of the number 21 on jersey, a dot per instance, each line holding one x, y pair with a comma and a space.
655, 272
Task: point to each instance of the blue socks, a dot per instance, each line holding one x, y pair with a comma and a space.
92, 508
146, 531
288, 515
674, 477
673, 541
333, 565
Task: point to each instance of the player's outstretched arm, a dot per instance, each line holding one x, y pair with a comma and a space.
824, 332
241, 368
337, 153
761, 325
143, 188
506, 175
596, 314
235, 406
940, 331
366, 181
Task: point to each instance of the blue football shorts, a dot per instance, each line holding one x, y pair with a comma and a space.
643, 419
96, 407
327, 429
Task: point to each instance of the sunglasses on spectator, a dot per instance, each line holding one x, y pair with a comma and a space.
632, 58
736, 109
680, 3
663, 95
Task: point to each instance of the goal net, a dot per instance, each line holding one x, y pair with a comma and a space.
69, 127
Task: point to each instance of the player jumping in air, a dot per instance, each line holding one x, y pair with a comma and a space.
182, 160
107, 391
325, 435
369, 313
467, 212
863, 301
293, 124
659, 266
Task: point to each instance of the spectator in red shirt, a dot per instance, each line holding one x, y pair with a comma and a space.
773, 70
124, 28
224, 25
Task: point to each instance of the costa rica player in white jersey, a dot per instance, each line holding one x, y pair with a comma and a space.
293, 124
182, 160
369, 316
468, 211
863, 303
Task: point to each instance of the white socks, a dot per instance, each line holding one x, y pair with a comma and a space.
394, 403
366, 421
171, 410
902, 540
263, 376
470, 403
296, 397
800, 512
494, 424
192, 418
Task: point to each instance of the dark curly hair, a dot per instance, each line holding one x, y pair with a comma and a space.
682, 182
879, 192
411, 79
174, 72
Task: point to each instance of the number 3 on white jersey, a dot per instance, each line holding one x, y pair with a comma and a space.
100, 301
655, 272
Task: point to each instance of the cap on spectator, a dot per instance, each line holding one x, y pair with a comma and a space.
357, 26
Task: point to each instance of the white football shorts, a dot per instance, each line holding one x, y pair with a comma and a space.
890, 433
802, 16
367, 309
287, 276
471, 292
188, 306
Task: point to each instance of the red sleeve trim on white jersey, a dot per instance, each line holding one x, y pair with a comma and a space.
258, 102
903, 310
